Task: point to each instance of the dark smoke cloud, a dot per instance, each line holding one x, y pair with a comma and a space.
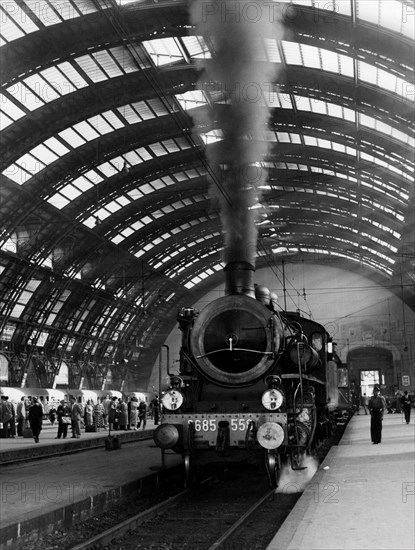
239, 70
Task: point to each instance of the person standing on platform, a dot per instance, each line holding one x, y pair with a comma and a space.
122, 415
112, 414
406, 404
35, 416
376, 408
76, 417
155, 410
107, 406
133, 412
89, 414
63, 412
98, 416
142, 414
13, 421
52, 414
6, 415
364, 401
21, 416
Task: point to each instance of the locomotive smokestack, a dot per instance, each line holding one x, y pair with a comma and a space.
239, 278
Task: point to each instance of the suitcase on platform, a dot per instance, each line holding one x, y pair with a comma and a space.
112, 443
27, 431
90, 428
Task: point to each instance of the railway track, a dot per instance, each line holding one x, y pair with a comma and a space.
241, 509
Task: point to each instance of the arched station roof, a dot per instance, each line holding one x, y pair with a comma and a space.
107, 223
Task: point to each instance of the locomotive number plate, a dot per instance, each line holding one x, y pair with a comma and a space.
211, 424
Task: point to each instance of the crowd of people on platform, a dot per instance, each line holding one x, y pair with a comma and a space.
107, 414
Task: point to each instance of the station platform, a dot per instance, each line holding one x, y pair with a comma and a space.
68, 480
362, 496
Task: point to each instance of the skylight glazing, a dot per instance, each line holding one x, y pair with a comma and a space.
162, 259
394, 15
199, 278
317, 58
14, 17
164, 51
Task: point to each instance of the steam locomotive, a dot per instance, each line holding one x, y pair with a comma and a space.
254, 383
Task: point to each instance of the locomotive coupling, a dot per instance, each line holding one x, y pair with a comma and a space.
223, 438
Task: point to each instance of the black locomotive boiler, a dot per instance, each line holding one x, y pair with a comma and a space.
253, 383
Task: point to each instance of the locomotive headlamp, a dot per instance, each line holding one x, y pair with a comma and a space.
272, 399
172, 400
166, 436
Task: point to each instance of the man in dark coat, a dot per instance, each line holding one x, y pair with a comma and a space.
6, 415
35, 416
21, 415
376, 408
406, 406
64, 419
155, 409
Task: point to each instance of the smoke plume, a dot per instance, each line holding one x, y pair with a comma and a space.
295, 481
240, 77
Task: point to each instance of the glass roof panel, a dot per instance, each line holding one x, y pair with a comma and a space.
81, 183
9, 30
58, 201
143, 110
72, 75
158, 149
310, 59
70, 192
100, 124
15, 13
391, 14
30, 164
107, 63
171, 146
91, 68
143, 153
129, 114
272, 50
319, 58
112, 118
41, 87
86, 130
158, 106
124, 58
72, 138
192, 98
196, 47
10, 108
17, 174
113, 206
44, 12
107, 169
163, 51
292, 52
5, 121
59, 81
44, 154
25, 96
